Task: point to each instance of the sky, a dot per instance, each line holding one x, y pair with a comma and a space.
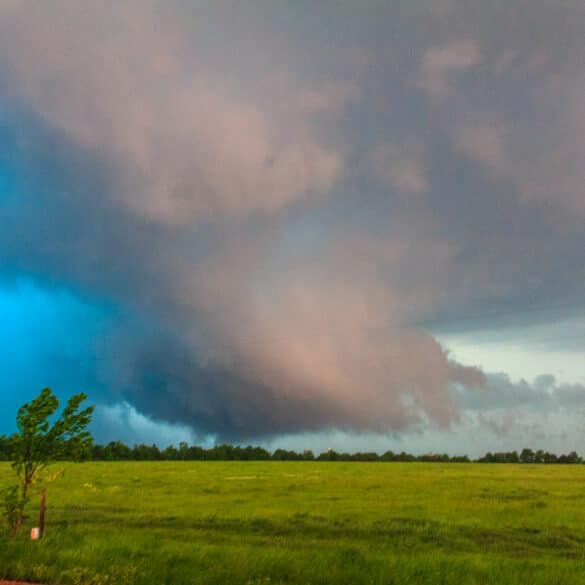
348, 225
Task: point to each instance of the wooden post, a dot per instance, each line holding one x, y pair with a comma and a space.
42, 513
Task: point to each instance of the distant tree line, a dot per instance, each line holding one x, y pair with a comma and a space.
118, 451
530, 456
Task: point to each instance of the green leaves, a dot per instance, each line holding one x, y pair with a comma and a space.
39, 443
32, 417
11, 503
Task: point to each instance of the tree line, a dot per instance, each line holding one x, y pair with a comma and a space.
119, 451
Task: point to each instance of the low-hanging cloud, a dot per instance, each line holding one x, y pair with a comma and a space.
278, 222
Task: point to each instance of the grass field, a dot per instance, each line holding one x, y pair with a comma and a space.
271, 522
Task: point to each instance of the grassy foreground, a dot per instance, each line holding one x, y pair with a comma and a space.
304, 522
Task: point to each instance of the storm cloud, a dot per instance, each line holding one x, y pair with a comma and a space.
281, 214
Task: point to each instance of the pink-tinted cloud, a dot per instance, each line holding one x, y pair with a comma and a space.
123, 81
397, 168
289, 205
440, 64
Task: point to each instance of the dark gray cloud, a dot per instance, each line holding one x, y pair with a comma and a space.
280, 211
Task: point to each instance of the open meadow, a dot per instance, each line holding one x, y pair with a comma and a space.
305, 522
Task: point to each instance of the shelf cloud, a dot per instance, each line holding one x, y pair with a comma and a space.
280, 214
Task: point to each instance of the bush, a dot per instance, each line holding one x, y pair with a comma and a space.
12, 503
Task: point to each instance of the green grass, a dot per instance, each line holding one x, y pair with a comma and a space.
268, 522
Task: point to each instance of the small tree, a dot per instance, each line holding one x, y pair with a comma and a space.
38, 443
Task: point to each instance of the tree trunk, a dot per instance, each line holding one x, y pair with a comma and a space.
42, 513
18, 523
